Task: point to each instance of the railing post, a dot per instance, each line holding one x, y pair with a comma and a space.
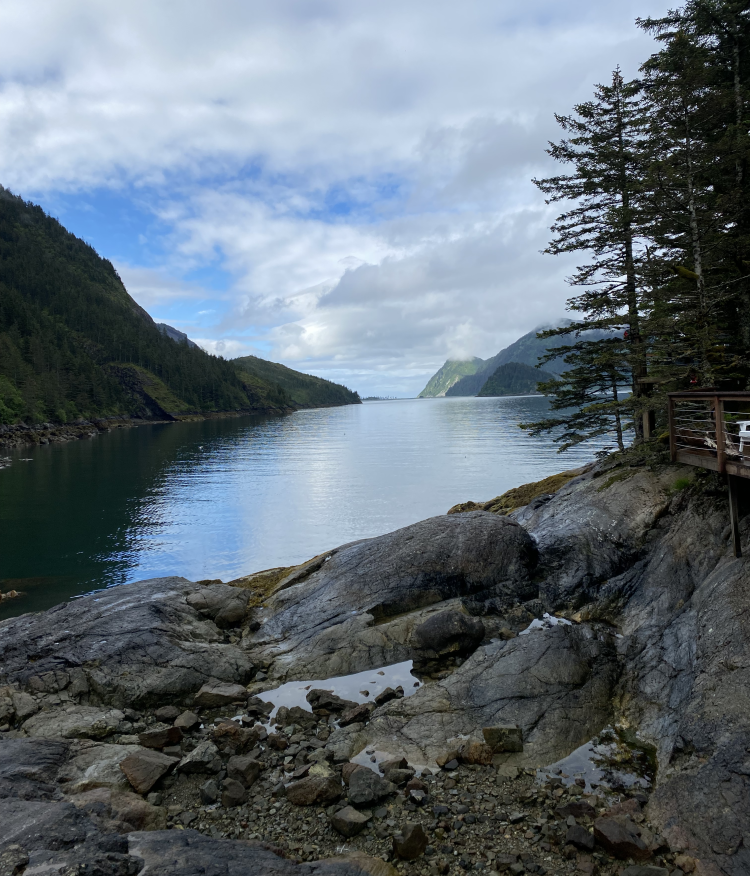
672, 436
721, 457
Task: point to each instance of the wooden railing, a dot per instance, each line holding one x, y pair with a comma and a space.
712, 430
705, 429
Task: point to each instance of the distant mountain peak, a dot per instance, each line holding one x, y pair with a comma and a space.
175, 334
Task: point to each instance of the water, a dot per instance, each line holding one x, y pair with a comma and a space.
360, 687
223, 498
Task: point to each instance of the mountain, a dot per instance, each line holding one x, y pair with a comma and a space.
175, 334
525, 351
451, 372
514, 378
74, 345
303, 390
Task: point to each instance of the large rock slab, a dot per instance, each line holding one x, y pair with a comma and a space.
74, 722
320, 619
188, 853
594, 528
554, 684
139, 644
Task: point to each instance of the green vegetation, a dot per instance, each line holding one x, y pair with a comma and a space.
302, 390
519, 496
656, 194
74, 344
451, 372
514, 379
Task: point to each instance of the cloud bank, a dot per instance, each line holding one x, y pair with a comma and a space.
340, 186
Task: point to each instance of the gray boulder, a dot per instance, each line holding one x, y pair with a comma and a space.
556, 685
138, 644
225, 605
367, 787
326, 618
448, 633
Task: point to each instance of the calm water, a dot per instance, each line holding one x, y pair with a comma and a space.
223, 498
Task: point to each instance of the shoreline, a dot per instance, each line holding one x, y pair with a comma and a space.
21, 435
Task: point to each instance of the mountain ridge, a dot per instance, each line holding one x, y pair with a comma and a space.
75, 346
527, 350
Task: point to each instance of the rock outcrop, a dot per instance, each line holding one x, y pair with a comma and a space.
340, 614
130, 646
132, 690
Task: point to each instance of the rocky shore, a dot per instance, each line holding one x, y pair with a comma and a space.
579, 702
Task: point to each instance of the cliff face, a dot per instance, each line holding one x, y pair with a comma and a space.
635, 557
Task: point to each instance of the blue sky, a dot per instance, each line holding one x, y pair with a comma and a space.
340, 186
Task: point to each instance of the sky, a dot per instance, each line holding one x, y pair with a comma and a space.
341, 186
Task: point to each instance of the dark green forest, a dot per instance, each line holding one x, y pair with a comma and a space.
514, 378
74, 345
654, 192
303, 390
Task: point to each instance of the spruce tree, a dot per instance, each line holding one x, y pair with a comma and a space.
604, 186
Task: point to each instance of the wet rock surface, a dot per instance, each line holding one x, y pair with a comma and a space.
657, 645
128, 647
331, 617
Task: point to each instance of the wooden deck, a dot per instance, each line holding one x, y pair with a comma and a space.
706, 429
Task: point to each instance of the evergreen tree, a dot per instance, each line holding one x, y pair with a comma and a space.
604, 152
698, 194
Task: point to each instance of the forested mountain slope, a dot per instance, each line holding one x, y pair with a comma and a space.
303, 390
468, 377
75, 345
514, 378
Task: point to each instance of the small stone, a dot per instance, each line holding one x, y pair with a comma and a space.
278, 742
187, 818
348, 822
685, 863
155, 798
399, 777
395, 763
326, 701
245, 769
348, 769
166, 714
314, 789
442, 759
411, 843
219, 693
187, 720
143, 769
209, 792
204, 758
160, 738
580, 837
576, 808
451, 765
358, 713
506, 773
474, 752
385, 696
621, 838
503, 738
233, 793
516, 817
367, 787
415, 784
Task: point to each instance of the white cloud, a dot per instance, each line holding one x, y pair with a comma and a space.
359, 171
